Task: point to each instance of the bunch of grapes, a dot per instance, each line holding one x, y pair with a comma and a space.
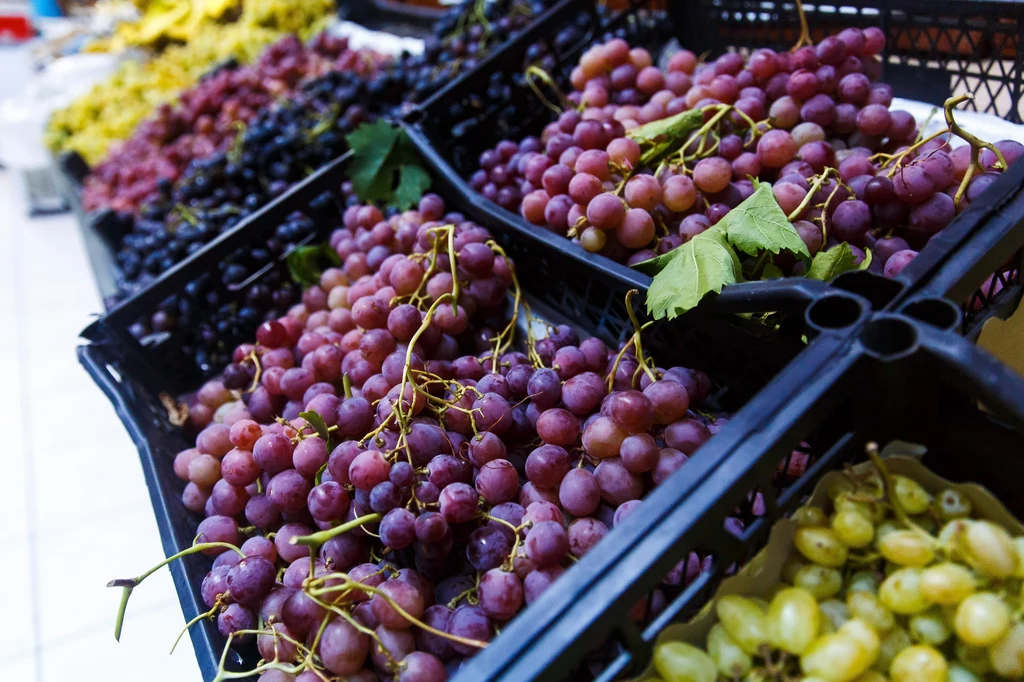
890, 583
441, 479
207, 117
814, 122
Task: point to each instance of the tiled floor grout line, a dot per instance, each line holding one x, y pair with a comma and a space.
21, 317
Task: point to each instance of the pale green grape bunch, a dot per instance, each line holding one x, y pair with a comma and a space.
887, 583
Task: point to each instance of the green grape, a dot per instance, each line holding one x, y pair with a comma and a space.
869, 510
821, 546
894, 641
973, 658
840, 488
865, 581
907, 548
865, 635
950, 504
958, 673
910, 496
836, 657
929, 627
730, 659
853, 528
834, 613
990, 549
1007, 655
744, 620
919, 663
810, 516
883, 529
901, 592
870, 676
982, 619
867, 607
946, 583
681, 662
820, 581
793, 620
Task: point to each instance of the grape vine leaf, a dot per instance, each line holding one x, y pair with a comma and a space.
652, 266
827, 265
699, 267
759, 224
385, 166
413, 181
673, 127
866, 263
772, 271
306, 263
318, 424
371, 145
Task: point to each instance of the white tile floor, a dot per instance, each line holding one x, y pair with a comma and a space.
73, 500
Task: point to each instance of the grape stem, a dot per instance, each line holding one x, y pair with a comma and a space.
208, 614
317, 539
533, 71
805, 32
129, 584
976, 143
889, 490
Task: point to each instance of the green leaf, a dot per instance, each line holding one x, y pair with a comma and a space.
827, 265
652, 266
772, 271
413, 181
306, 263
371, 144
317, 422
868, 257
758, 224
674, 126
701, 266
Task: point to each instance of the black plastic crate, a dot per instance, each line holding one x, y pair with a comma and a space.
740, 354
460, 122
389, 16
982, 272
898, 380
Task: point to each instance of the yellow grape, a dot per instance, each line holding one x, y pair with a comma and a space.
810, 516
836, 657
864, 634
865, 581
951, 532
867, 607
730, 659
840, 488
821, 546
946, 583
883, 529
901, 592
990, 549
681, 662
820, 581
791, 568
958, 673
920, 663
894, 641
982, 619
869, 510
907, 548
911, 497
929, 627
950, 504
853, 528
973, 658
744, 620
793, 620
1007, 655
